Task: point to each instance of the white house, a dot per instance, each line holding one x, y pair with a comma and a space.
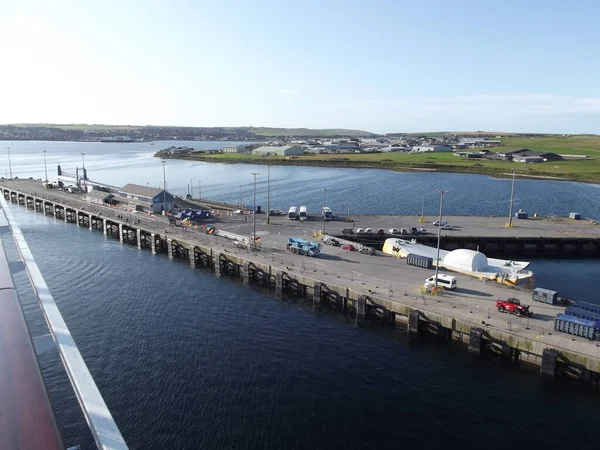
431, 148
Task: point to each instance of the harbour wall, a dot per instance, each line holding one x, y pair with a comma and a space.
554, 355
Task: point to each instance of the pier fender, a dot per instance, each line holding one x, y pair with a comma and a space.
247, 271
549, 362
331, 295
437, 329
572, 370
280, 282
476, 340
499, 348
413, 321
317, 293
361, 308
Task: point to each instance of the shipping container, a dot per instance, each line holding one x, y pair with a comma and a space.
591, 307
545, 296
583, 314
425, 262
575, 326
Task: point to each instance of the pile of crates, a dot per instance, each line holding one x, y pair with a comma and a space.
581, 319
424, 262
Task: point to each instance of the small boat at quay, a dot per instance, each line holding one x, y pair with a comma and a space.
469, 262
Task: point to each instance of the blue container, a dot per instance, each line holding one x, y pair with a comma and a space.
591, 307
583, 314
575, 326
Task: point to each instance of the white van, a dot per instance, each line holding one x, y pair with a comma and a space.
446, 281
441, 223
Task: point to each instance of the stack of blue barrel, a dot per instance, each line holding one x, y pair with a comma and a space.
581, 319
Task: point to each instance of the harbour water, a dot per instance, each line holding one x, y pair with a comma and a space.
186, 360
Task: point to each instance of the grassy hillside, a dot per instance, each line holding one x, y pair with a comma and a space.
259, 131
570, 145
274, 132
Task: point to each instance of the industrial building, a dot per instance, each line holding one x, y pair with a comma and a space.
528, 156
146, 198
285, 150
234, 149
431, 148
99, 197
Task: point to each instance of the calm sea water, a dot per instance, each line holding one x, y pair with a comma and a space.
186, 360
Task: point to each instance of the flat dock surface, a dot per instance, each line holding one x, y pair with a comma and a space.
380, 275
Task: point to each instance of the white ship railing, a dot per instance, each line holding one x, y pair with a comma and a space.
99, 419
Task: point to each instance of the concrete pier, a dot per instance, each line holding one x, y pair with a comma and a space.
380, 287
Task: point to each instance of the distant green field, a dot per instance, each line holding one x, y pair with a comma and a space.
573, 145
583, 170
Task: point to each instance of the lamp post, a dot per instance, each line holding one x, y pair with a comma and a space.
348, 199
323, 210
241, 201
83, 161
164, 163
9, 165
268, 193
512, 193
437, 260
199, 190
254, 213
45, 166
192, 189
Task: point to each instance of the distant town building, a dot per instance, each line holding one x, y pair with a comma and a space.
519, 154
528, 159
146, 197
234, 149
480, 142
431, 148
272, 150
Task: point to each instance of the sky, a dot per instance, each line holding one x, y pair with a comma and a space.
377, 65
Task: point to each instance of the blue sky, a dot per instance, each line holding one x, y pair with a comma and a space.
382, 66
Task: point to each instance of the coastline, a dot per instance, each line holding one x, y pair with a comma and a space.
397, 167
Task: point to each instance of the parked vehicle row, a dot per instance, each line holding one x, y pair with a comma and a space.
404, 231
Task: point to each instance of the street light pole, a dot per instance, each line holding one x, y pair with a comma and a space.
164, 163
241, 201
83, 161
254, 213
437, 260
199, 190
323, 210
348, 200
45, 166
9, 165
268, 193
512, 193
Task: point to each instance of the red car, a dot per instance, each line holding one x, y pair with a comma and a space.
513, 306
349, 247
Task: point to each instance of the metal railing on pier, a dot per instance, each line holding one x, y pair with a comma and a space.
99, 419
